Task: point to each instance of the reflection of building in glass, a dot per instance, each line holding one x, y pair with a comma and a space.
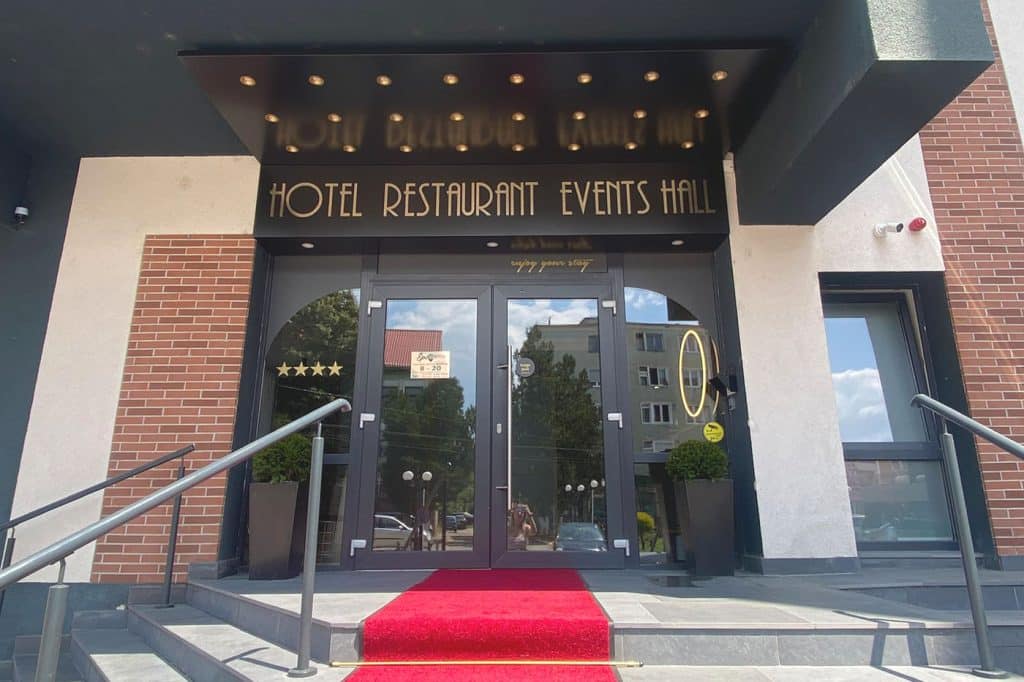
669, 397
399, 345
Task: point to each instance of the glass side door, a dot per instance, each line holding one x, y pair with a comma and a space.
556, 497
427, 440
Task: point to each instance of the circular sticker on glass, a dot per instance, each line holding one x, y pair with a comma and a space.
714, 432
525, 368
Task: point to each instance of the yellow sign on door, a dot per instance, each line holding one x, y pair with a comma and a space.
714, 432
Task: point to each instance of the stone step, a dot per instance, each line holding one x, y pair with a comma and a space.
111, 655
279, 623
206, 648
24, 668
679, 673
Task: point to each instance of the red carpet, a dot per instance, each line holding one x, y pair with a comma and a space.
496, 615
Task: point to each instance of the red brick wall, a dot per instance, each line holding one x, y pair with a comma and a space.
975, 167
180, 386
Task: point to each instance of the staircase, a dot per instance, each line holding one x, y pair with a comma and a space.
234, 629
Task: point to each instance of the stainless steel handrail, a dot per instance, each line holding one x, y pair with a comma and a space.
988, 666
60, 550
9, 528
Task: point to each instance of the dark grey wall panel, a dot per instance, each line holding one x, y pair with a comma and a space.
28, 267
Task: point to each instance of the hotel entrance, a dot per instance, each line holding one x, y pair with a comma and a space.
491, 437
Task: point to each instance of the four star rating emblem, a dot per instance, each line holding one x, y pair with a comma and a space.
317, 369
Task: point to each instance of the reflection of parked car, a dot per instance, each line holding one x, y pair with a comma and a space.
467, 517
451, 523
580, 537
389, 532
461, 521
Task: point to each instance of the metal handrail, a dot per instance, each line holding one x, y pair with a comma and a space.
988, 666
56, 504
60, 550
8, 529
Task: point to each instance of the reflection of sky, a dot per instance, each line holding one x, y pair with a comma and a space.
456, 318
863, 417
643, 305
523, 313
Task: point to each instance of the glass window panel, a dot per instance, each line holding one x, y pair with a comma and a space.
872, 373
652, 521
426, 463
898, 501
556, 498
673, 360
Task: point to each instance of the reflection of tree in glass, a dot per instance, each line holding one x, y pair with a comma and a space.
555, 417
428, 432
324, 331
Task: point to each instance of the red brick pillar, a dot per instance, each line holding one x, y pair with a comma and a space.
975, 166
180, 386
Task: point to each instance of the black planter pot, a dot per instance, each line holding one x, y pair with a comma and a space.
704, 511
276, 529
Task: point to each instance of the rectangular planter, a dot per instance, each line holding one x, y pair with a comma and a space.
274, 550
705, 514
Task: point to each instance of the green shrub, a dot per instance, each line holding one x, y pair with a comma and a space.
697, 460
644, 523
285, 460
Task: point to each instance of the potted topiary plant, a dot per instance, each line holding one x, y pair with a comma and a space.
278, 498
704, 505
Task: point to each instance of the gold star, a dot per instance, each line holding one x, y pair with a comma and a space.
318, 369
300, 369
282, 370
334, 369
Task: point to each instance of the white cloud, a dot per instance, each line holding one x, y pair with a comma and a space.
863, 417
524, 313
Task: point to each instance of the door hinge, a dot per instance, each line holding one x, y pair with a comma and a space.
621, 543
615, 417
365, 417
373, 305
611, 304
357, 543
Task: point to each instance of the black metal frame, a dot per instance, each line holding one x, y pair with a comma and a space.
929, 450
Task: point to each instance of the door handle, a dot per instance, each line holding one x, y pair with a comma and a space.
501, 487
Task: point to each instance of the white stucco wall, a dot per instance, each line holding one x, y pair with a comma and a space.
798, 458
117, 202
1008, 21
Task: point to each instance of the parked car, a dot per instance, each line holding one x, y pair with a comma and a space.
580, 537
451, 522
390, 532
461, 520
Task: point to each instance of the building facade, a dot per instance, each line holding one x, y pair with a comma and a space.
534, 273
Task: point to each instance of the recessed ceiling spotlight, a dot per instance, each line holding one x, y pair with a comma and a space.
396, 117
677, 242
334, 118
517, 79
701, 113
271, 118
574, 147
584, 78
450, 79
719, 75
462, 147
518, 116
247, 81
457, 116
631, 145
348, 148
687, 145
405, 149
492, 245
579, 115
639, 114
518, 147
384, 80
291, 149
308, 245
651, 76
316, 80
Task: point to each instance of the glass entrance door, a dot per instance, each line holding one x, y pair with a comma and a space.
490, 437
555, 462
426, 488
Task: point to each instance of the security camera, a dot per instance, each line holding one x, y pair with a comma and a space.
20, 215
882, 229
